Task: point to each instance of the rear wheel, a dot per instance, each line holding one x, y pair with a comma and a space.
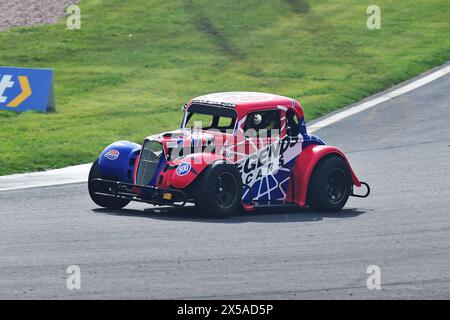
102, 201
330, 185
218, 190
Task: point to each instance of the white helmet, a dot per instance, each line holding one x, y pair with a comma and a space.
257, 118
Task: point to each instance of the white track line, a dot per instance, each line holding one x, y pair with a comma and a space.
79, 173
67, 175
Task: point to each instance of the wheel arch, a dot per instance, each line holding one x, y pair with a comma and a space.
198, 162
123, 166
304, 167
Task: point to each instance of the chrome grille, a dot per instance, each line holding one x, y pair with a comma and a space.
151, 154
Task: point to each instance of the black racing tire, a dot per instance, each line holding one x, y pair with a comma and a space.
330, 185
103, 201
217, 191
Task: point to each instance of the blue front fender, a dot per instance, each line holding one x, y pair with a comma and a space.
118, 159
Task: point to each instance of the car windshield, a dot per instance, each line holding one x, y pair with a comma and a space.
209, 117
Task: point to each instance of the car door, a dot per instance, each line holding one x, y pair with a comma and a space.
262, 132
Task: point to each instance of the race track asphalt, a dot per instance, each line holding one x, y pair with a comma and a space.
401, 147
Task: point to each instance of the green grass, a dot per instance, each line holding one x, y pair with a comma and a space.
126, 73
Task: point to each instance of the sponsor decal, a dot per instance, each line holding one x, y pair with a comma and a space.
183, 169
265, 171
269, 159
23, 89
112, 154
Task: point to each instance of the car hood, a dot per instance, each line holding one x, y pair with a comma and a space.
183, 138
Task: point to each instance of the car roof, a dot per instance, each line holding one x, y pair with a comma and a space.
243, 101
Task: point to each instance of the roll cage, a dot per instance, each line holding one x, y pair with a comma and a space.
223, 111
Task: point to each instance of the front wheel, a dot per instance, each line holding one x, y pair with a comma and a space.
101, 200
330, 185
218, 190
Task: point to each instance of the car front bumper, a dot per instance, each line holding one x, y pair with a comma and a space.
133, 192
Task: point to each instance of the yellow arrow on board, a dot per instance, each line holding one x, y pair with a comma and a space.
26, 92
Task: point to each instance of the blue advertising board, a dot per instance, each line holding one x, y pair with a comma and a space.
23, 89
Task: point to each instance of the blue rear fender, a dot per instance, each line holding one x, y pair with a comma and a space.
118, 160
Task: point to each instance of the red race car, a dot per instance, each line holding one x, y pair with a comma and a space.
234, 150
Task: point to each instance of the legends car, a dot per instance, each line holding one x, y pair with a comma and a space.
234, 151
